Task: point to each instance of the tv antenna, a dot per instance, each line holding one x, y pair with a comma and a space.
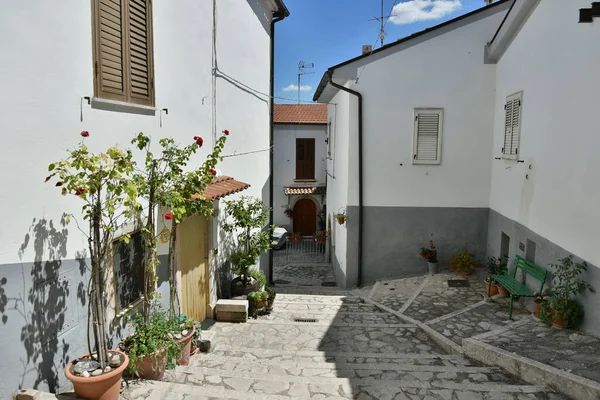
301, 66
382, 21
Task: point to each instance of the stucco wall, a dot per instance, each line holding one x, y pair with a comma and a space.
45, 69
554, 193
284, 160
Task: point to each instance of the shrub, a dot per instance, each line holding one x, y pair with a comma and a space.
463, 262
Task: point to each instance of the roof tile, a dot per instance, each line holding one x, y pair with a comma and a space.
300, 114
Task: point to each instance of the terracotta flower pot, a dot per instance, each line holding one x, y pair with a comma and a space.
270, 303
186, 350
152, 367
102, 387
493, 291
341, 220
536, 309
559, 322
295, 239
503, 292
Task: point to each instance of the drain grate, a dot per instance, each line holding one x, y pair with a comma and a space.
458, 283
306, 320
328, 284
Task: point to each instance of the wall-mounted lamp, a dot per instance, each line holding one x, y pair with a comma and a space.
166, 110
89, 101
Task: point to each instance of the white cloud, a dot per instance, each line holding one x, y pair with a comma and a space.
423, 10
294, 88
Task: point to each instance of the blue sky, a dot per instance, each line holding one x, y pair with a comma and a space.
327, 32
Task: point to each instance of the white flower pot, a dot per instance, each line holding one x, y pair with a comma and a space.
433, 267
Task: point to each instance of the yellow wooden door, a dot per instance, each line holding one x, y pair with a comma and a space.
192, 237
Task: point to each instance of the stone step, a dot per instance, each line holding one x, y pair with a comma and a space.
310, 289
307, 336
306, 386
334, 366
329, 318
322, 307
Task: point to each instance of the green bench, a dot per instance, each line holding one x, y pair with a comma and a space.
515, 288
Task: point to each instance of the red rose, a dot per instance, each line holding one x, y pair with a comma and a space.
79, 192
199, 141
168, 216
226, 132
196, 138
213, 171
85, 133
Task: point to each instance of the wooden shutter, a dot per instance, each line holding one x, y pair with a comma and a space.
512, 125
427, 141
305, 158
140, 52
123, 56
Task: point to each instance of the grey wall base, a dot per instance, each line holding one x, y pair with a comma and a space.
393, 237
526, 243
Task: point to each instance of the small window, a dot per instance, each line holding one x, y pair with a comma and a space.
427, 141
129, 269
512, 126
123, 52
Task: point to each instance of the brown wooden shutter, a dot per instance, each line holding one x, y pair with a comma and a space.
140, 52
305, 158
123, 56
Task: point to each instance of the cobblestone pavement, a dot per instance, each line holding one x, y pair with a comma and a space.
353, 350
564, 349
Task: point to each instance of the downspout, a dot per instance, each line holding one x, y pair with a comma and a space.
271, 112
360, 171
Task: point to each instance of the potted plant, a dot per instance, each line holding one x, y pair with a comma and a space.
539, 299
341, 218
463, 263
296, 237
429, 254
184, 333
496, 266
259, 276
562, 310
255, 300
289, 212
271, 297
152, 347
320, 236
102, 182
246, 221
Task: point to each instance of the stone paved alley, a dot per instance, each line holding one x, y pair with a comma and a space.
365, 344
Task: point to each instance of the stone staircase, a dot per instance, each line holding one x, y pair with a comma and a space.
352, 350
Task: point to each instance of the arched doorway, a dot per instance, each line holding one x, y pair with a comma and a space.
305, 217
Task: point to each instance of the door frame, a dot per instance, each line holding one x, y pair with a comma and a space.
317, 205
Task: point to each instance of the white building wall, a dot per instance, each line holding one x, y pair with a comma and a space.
444, 72
554, 193
284, 165
45, 69
557, 70
337, 180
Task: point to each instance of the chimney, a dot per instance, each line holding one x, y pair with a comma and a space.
488, 2
366, 49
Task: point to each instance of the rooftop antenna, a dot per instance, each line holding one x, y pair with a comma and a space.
301, 66
382, 22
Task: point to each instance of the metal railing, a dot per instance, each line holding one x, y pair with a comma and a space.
305, 251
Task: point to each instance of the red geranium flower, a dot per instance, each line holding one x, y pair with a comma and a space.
85, 133
213, 171
79, 192
199, 141
168, 216
226, 132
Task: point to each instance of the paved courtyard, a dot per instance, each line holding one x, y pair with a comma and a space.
366, 344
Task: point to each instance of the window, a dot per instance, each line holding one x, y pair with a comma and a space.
427, 141
123, 55
129, 269
305, 158
512, 126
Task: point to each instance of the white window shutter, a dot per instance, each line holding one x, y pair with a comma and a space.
427, 141
512, 126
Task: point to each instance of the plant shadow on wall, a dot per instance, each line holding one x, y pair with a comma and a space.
42, 302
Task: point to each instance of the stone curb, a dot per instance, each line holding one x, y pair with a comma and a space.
534, 372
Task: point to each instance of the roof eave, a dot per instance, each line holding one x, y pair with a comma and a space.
282, 11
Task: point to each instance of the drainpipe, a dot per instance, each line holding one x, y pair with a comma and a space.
271, 108
360, 171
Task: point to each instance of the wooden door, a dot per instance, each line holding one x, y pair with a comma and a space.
305, 217
305, 158
192, 239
